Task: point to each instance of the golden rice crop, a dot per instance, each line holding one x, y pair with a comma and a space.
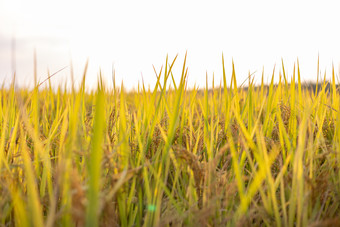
172, 156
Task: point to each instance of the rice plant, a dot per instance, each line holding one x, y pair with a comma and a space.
232, 155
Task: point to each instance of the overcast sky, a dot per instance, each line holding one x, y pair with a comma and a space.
134, 35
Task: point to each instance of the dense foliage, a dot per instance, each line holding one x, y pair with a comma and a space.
265, 155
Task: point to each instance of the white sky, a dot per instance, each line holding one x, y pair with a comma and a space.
134, 35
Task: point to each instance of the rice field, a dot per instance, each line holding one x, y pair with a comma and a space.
172, 156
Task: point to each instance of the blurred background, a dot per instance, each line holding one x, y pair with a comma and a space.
133, 36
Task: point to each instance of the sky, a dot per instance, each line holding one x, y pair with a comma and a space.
132, 37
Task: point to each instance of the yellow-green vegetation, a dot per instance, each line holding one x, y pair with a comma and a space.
169, 156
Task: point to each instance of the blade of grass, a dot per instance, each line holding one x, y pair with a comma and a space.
95, 159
